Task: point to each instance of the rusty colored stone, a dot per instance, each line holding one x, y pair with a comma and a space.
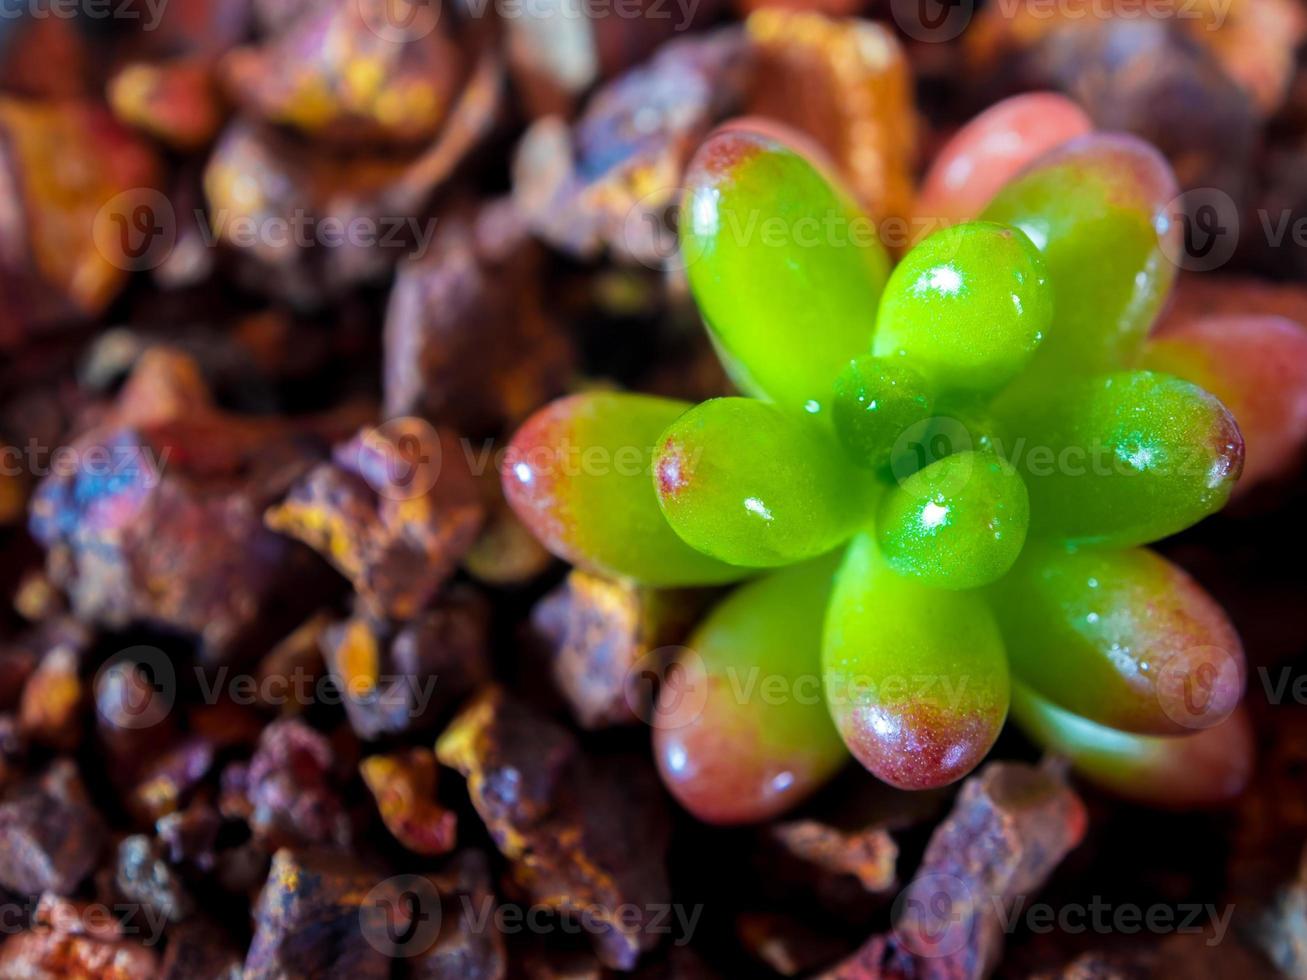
57, 255
581, 833
52, 701
166, 779
190, 836
1011, 826
44, 58
50, 834
161, 519
308, 920
870, 856
224, 724
1098, 966
193, 27
602, 633
335, 74
13, 752
1256, 41
404, 786
465, 949
556, 53
476, 291
174, 101
401, 678
847, 84
1151, 78
1252, 41
394, 512
60, 943
36, 597
289, 792
295, 664
258, 181
13, 498
1280, 931
608, 182
143, 876
843, 860
50, 709
17, 663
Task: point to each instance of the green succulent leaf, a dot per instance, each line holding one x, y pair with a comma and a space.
968, 307
959, 523
1125, 639
577, 473
753, 485
744, 733
1210, 767
1122, 459
1098, 208
915, 677
785, 267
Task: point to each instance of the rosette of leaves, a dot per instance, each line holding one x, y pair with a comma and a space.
937, 486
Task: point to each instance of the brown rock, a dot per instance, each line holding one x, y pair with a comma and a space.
585, 836
600, 632
609, 182
308, 75
1011, 826
63, 941
200, 950
404, 787
394, 512
50, 834
465, 948
308, 921
396, 680
467, 338
289, 791
160, 520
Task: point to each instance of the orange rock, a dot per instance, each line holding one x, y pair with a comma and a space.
72, 171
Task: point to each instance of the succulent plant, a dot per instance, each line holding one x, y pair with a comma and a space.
940, 474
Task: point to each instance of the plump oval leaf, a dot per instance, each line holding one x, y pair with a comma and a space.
753, 485
577, 473
915, 677
785, 267
743, 734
